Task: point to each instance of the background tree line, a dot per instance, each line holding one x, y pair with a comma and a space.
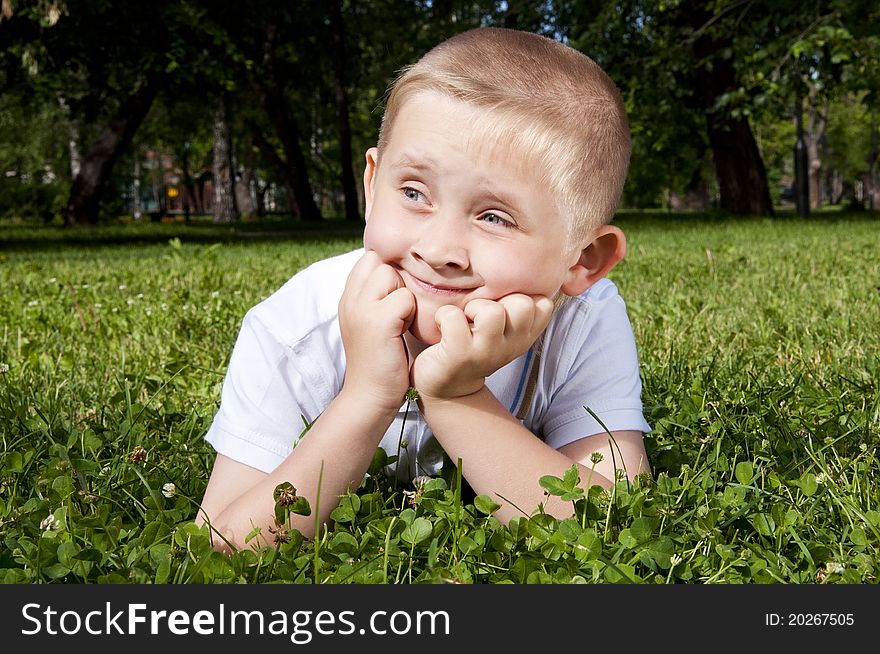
281, 98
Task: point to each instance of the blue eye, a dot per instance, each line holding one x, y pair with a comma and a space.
412, 194
494, 219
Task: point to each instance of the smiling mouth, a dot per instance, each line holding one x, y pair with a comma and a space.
447, 291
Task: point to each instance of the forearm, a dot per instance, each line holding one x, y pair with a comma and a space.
331, 459
500, 457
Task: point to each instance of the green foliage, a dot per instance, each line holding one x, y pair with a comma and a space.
760, 382
67, 67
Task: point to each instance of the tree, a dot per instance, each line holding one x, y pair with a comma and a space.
680, 57
105, 60
349, 188
225, 210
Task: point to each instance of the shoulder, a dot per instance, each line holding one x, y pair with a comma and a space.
599, 307
591, 326
600, 294
307, 301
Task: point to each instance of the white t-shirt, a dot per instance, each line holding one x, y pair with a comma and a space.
288, 364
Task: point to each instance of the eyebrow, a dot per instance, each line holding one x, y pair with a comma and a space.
417, 163
428, 164
503, 200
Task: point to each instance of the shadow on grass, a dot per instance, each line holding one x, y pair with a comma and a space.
28, 237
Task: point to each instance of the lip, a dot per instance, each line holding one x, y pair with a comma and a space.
448, 291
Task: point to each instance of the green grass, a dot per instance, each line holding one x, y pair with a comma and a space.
760, 348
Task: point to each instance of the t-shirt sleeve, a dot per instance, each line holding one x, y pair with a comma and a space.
286, 366
262, 402
600, 372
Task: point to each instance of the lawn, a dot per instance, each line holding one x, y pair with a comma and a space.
759, 341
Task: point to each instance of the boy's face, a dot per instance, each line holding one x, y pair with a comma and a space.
457, 219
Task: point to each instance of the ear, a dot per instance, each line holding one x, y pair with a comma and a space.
372, 157
607, 247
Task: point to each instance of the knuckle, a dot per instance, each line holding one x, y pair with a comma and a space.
447, 312
518, 302
494, 310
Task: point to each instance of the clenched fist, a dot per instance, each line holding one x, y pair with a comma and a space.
375, 310
477, 341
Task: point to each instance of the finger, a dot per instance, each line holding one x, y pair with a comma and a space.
455, 331
520, 311
382, 281
362, 270
401, 304
488, 317
543, 314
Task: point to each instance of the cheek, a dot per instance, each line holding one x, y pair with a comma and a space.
529, 276
384, 235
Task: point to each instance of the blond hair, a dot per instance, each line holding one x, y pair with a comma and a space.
542, 99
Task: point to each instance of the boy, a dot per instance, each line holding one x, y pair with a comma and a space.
500, 161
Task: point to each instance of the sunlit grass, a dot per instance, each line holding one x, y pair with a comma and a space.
759, 341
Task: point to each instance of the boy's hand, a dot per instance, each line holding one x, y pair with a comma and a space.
476, 342
374, 311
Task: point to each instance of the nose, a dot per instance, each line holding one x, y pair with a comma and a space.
441, 244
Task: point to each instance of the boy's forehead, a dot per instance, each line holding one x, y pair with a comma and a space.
429, 116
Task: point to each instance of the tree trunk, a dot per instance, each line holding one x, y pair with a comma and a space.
349, 188
88, 186
814, 135
199, 193
225, 210
275, 160
288, 132
75, 154
742, 178
136, 188
696, 195
271, 95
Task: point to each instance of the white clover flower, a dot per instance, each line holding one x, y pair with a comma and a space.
98, 305
215, 293
4, 368
169, 490
104, 471
420, 481
51, 280
674, 560
164, 307
129, 301
834, 568
821, 478
140, 296
50, 523
33, 303
149, 312
122, 287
